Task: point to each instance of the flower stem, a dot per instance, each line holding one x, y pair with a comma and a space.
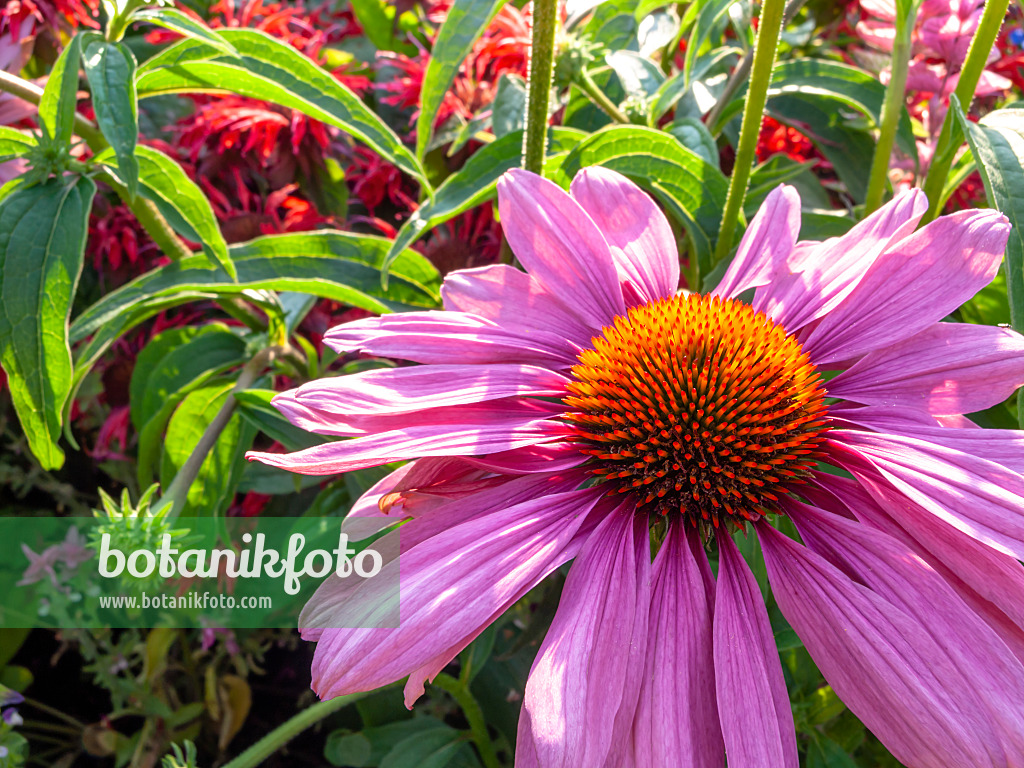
892, 109
951, 136
288, 730
542, 62
589, 87
474, 716
765, 46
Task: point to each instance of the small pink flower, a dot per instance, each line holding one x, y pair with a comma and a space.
559, 413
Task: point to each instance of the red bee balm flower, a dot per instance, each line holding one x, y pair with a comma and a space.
561, 412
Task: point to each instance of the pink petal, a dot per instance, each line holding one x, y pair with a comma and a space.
513, 300
978, 497
406, 390
753, 704
452, 585
639, 235
766, 245
991, 679
880, 662
450, 338
494, 433
560, 246
914, 284
550, 457
679, 684
582, 691
949, 368
990, 582
826, 274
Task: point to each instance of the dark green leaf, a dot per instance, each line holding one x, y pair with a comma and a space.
274, 71
509, 107
110, 69
707, 19
825, 753
369, 746
472, 185
432, 748
183, 24
695, 136
57, 105
14, 143
640, 77
221, 471
465, 22
42, 237
254, 405
614, 25
692, 190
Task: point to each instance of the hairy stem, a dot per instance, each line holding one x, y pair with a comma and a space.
951, 136
474, 716
892, 109
765, 47
542, 62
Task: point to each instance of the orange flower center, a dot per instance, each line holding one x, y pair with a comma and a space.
699, 406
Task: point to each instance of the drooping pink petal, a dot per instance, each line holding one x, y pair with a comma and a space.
914, 284
990, 680
514, 300
880, 662
454, 338
753, 704
978, 497
451, 587
549, 457
989, 581
949, 368
826, 274
560, 246
766, 245
639, 235
405, 390
493, 434
582, 691
679, 684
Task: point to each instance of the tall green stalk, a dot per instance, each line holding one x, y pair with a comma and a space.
765, 47
951, 136
542, 63
892, 108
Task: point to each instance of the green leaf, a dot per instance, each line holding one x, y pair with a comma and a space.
180, 200
221, 471
473, 184
273, 71
997, 143
692, 190
183, 24
614, 25
432, 748
42, 238
509, 107
695, 136
254, 405
57, 105
465, 22
14, 143
640, 77
707, 19
369, 746
110, 70
825, 753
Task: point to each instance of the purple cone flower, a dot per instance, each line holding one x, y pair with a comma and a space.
561, 412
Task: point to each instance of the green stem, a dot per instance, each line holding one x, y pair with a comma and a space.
892, 109
288, 730
474, 716
589, 87
951, 136
177, 491
542, 63
145, 211
765, 46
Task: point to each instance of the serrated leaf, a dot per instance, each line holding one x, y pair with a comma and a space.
273, 71
473, 184
58, 102
42, 238
692, 190
465, 22
110, 70
222, 469
183, 24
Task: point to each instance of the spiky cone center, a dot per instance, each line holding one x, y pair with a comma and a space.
698, 406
